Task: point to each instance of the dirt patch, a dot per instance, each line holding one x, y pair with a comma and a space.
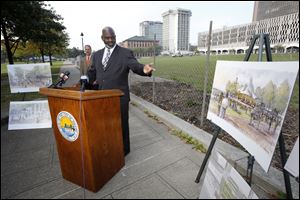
185, 102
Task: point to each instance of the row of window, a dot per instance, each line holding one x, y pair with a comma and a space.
279, 33
139, 44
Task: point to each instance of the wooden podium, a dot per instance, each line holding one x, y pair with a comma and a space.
97, 154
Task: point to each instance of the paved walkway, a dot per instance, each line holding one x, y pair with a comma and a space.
160, 165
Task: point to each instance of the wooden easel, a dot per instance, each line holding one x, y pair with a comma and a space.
263, 39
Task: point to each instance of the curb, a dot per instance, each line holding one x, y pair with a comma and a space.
272, 181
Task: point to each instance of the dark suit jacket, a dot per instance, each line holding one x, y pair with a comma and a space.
84, 66
116, 72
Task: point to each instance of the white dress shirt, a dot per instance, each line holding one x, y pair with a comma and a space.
105, 52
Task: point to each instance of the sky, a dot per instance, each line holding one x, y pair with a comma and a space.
89, 17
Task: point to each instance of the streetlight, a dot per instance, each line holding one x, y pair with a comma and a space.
82, 41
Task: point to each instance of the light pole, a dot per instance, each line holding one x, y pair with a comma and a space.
82, 41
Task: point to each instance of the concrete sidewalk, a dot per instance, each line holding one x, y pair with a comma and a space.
160, 165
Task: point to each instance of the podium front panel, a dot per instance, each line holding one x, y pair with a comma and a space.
98, 150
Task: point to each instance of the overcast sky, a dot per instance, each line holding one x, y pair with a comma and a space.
90, 17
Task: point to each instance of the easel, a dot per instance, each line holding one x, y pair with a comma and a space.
263, 39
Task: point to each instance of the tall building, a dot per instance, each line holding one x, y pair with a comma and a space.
270, 9
176, 30
283, 31
149, 28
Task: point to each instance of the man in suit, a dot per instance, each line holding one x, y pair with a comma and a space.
111, 66
86, 60
85, 63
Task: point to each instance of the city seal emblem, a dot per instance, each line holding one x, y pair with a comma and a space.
67, 126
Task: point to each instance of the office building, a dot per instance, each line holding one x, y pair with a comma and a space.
283, 31
270, 9
176, 30
151, 28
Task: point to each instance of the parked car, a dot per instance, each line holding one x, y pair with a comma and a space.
177, 55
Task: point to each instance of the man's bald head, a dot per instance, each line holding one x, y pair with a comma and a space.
108, 37
109, 30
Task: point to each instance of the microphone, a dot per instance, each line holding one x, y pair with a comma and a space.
63, 77
83, 82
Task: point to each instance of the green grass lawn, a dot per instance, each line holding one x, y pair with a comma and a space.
54, 68
191, 69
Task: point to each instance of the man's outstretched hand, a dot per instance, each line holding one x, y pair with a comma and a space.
148, 68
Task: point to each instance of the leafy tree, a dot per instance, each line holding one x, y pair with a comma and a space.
228, 86
231, 51
269, 92
259, 93
282, 96
26, 50
158, 49
19, 19
30, 20
279, 48
251, 86
57, 45
193, 48
233, 87
73, 53
50, 36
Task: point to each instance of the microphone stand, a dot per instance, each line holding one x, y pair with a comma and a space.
83, 82
63, 78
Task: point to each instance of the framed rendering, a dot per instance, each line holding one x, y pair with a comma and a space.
222, 181
29, 115
29, 77
249, 101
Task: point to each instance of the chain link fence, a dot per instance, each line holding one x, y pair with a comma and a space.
177, 86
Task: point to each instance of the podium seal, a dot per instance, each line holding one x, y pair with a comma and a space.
67, 126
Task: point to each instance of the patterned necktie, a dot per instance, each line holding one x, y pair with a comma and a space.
106, 58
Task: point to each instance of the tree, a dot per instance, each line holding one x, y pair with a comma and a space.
50, 36
282, 96
233, 87
279, 48
26, 50
18, 21
74, 52
158, 49
25, 20
269, 92
259, 93
232, 51
56, 44
251, 87
193, 47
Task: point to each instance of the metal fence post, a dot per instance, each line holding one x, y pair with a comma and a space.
153, 78
206, 73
